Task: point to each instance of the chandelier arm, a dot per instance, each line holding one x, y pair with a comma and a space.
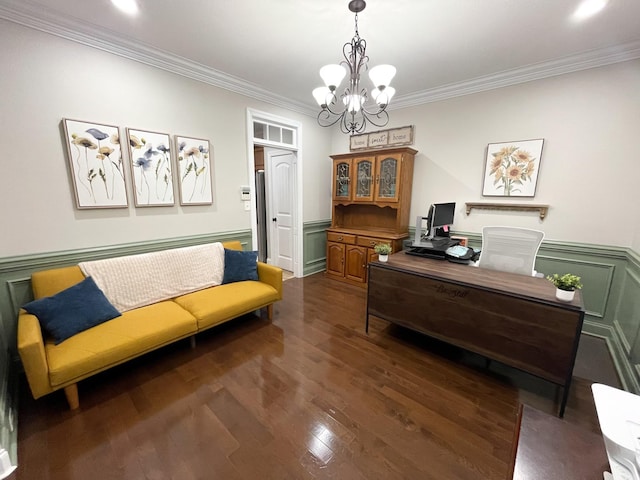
326, 119
383, 117
330, 111
334, 102
377, 112
355, 58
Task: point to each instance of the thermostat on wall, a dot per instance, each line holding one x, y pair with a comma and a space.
245, 192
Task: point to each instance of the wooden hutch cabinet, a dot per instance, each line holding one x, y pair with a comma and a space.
370, 205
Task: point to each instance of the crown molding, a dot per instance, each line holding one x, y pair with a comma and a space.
45, 20
575, 63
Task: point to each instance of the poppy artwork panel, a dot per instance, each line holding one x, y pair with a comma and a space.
512, 168
96, 164
194, 171
151, 168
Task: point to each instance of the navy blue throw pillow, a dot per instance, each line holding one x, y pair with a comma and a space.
239, 266
73, 310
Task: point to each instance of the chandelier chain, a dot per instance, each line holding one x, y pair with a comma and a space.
356, 27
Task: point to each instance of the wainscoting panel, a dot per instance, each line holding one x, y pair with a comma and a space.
626, 321
19, 292
595, 291
315, 246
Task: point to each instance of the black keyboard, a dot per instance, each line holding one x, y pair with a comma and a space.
435, 248
443, 242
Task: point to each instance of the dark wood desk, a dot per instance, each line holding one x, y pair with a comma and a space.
547, 448
514, 319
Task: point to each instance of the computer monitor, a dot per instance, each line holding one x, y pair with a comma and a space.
440, 216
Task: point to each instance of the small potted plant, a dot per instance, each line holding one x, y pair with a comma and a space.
566, 285
383, 250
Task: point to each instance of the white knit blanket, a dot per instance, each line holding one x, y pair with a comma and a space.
136, 280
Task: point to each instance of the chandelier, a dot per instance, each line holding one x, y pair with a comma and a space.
352, 109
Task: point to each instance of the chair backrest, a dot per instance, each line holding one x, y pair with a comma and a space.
510, 249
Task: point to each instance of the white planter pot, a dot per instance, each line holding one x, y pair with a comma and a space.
565, 295
383, 258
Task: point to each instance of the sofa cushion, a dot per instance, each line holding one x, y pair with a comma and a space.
135, 332
215, 305
240, 266
72, 310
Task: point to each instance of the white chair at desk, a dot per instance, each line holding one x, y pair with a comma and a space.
510, 249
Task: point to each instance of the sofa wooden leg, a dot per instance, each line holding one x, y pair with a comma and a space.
71, 392
192, 341
270, 312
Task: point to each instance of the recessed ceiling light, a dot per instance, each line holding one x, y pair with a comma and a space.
130, 7
589, 8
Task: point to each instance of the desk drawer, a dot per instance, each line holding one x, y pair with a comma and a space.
341, 237
371, 242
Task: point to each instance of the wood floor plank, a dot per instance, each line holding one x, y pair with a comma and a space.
307, 396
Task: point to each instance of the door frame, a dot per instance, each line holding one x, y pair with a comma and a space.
254, 115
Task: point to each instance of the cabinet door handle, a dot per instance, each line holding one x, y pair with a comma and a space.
377, 178
274, 219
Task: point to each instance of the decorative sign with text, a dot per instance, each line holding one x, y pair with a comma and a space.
383, 139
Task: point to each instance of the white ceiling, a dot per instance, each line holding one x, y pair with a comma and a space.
272, 49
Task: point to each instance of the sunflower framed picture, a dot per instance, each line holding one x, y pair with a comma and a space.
512, 168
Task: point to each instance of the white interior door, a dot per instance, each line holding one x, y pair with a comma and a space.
280, 176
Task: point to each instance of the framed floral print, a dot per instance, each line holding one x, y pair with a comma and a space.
96, 166
151, 168
511, 168
194, 171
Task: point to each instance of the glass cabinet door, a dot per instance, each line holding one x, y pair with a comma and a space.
387, 175
364, 172
342, 180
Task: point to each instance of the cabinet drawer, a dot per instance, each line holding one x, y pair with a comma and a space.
371, 242
341, 237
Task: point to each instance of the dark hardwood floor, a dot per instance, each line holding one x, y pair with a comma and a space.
309, 396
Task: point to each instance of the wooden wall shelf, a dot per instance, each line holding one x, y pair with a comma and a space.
541, 209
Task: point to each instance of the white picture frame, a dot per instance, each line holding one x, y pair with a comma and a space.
195, 178
151, 168
512, 168
96, 164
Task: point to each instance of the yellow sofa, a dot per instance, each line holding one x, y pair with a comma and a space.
50, 367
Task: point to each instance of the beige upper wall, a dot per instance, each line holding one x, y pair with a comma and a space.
47, 78
589, 121
590, 167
